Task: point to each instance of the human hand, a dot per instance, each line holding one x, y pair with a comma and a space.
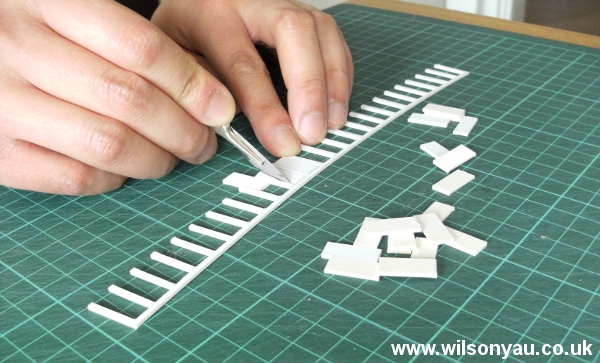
92, 93
315, 61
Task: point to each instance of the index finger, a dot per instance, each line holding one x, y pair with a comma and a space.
133, 43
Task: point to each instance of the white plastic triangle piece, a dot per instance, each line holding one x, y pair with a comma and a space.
366, 239
440, 209
352, 268
454, 114
465, 126
434, 149
385, 227
453, 182
466, 243
407, 267
454, 158
401, 242
434, 229
425, 249
351, 252
429, 120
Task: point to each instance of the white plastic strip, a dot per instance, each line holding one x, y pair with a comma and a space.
440, 74
466, 243
316, 151
366, 239
440, 209
352, 268
407, 267
352, 252
154, 280
385, 227
128, 295
420, 85
378, 110
453, 182
458, 72
434, 149
226, 219
453, 113
170, 261
410, 90
429, 120
297, 163
400, 96
334, 143
209, 232
434, 229
272, 181
354, 125
454, 158
402, 242
346, 134
361, 116
241, 180
191, 247
243, 206
259, 194
430, 79
383, 101
264, 213
465, 126
425, 249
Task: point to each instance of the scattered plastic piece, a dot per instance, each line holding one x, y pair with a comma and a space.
454, 158
434, 149
453, 182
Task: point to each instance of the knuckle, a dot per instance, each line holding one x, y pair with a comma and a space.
324, 18
242, 63
292, 18
190, 146
311, 85
109, 143
193, 89
127, 94
140, 45
77, 181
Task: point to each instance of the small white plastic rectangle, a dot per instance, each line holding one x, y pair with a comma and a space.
429, 120
401, 242
466, 243
351, 252
453, 182
454, 114
407, 267
465, 126
364, 238
353, 268
454, 158
434, 149
425, 249
241, 180
440, 209
434, 229
385, 227
297, 163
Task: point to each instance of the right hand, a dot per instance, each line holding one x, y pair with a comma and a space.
92, 93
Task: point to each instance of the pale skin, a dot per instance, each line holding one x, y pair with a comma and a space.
92, 94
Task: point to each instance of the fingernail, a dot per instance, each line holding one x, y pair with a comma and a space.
210, 148
221, 109
313, 127
286, 141
337, 113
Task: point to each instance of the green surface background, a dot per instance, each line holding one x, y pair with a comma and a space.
535, 200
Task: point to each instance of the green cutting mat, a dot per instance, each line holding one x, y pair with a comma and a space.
535, 199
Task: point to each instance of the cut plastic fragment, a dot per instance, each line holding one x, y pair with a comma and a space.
366, 239
351, 252
401, 242
434, 149
440, 209
407, 267
454, 114
425, 249
465, 126
430, 120
466, 243
454, 158
434, 229
353, 268
385, 227
453, 182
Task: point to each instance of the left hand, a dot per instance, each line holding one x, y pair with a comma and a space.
315, 61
